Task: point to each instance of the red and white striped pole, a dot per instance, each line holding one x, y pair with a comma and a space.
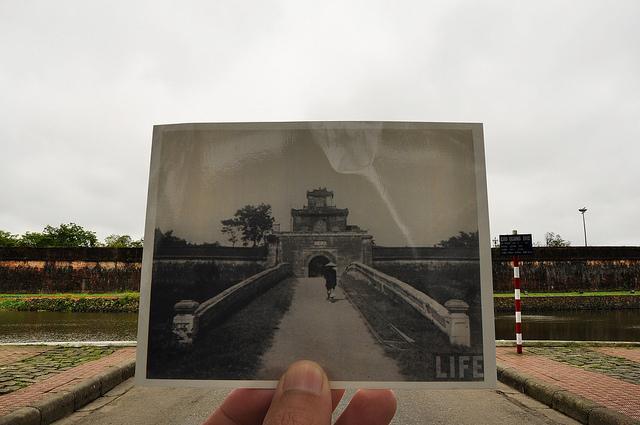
516, 285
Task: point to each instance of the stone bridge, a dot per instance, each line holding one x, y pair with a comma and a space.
190, 316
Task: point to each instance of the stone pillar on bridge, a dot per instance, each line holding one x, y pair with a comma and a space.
458, 322
185, 323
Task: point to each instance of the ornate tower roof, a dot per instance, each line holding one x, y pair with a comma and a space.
320, 214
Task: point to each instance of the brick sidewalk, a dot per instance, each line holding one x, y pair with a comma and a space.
47, 371
607, 376
10, 355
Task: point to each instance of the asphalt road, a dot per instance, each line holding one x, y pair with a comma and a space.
129, 404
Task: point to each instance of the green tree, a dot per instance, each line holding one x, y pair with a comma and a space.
462, 240
66, 235
8, 239
555, 240
34, 240
121, 241
253, 222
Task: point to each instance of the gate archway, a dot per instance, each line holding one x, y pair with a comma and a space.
316, 265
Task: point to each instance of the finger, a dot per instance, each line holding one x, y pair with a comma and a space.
336, 396
370, 407
302, 397
243, 406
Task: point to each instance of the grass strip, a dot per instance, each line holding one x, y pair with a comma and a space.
568, 294
385, 316
72, 295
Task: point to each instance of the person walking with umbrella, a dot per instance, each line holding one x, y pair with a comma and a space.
330, 279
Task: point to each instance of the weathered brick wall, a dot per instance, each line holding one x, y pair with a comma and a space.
107, 269
48, 270
548, 269
35, 270
572, 268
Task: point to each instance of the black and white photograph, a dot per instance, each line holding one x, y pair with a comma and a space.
362, 246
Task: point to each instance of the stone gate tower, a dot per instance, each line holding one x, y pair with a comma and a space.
320, 234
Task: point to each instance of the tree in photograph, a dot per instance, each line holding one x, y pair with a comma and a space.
232, 233
121, 241
8, 239
253, 222
66, 235
168, 239
463, 240
555, 240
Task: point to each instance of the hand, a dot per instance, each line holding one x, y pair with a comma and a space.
303, 398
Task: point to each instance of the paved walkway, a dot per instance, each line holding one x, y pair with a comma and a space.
14, 354
606, 375
333, 334
609, 376
30, 373
190, 406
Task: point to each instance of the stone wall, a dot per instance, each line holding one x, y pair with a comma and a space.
196, 279
442, 273
298, 249
572, 268
106, 269
548, 269
49, 270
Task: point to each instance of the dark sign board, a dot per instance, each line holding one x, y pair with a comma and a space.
516, 245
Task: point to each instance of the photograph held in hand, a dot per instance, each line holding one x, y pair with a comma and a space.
363, 246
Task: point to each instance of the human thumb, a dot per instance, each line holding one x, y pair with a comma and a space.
302, 397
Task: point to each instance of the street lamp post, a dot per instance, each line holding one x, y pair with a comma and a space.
584, 226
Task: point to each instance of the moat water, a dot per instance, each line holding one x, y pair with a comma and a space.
18, 326
34, 326
582, 325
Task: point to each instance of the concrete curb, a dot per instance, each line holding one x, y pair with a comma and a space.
63, 403
579, 408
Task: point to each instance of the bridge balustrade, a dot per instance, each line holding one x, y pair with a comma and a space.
451, 318
191, 317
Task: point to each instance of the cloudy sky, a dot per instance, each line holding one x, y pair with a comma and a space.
556, 84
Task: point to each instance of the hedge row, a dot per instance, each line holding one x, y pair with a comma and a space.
125, 304
601, 302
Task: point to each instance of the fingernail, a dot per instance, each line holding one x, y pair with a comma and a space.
306, 376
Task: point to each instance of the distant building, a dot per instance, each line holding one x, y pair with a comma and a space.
320, 234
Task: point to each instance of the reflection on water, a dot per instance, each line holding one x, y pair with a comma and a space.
33, 326
590, 325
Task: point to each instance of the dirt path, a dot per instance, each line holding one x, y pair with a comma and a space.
333, 334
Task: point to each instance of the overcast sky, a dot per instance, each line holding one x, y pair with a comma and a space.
556, 84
